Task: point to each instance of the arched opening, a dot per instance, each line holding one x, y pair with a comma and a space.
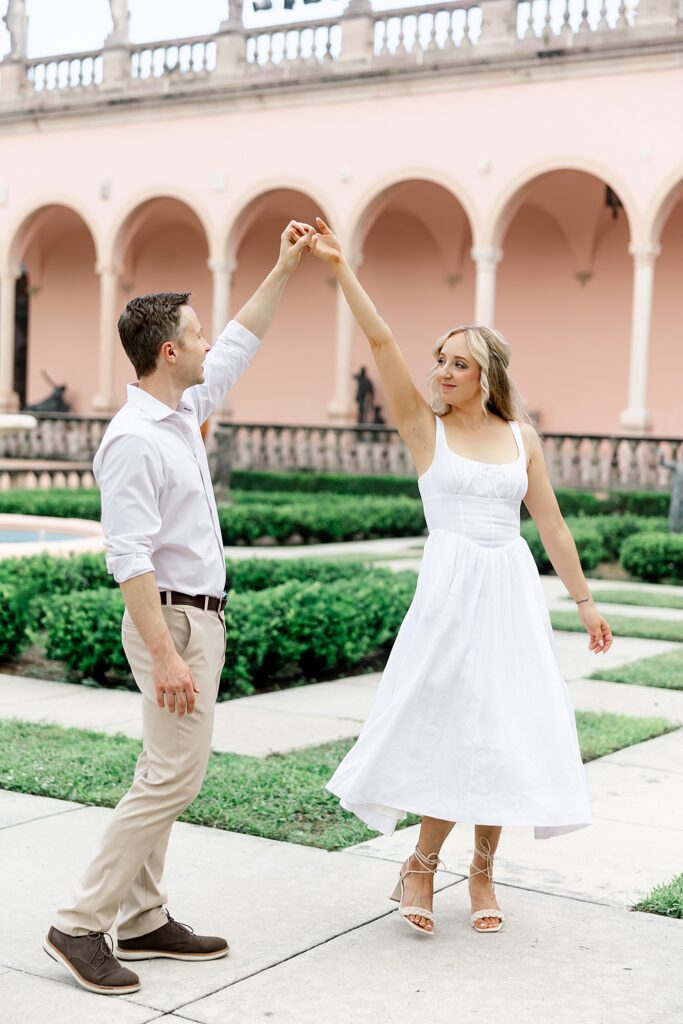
666, 332
563, 300
56, 316
293, 377
415, 240
161, 247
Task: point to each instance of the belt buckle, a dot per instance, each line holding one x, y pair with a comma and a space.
223, 601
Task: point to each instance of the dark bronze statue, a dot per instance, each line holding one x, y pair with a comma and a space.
54, 402
676, 504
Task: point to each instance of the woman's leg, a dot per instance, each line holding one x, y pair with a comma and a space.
482, 894
419, 888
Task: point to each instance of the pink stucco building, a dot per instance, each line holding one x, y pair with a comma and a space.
479, 166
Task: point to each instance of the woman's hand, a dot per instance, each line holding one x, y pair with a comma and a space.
597, 628
324, 244
294, 239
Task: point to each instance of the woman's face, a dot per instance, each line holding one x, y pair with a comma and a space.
457, 373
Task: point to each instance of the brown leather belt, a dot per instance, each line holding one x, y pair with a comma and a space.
203, 601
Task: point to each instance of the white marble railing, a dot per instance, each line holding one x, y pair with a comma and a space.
180, 57
445, 26
582, 461
358, 38
71, 71
305, 42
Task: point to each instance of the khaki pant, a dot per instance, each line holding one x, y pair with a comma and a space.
126, 874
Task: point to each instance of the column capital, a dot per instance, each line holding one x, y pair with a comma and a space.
10, 273
103, 269
221, 266
486, 256
644, 253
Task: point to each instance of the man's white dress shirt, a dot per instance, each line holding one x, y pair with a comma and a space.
158, 508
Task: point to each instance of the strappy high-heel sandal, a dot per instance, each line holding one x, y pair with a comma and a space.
485, 853
428, 866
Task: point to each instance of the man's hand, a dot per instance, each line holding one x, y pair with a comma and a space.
324, 244
294, 239
173, 682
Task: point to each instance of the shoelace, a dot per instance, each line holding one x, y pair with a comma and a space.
103, 950
177, 924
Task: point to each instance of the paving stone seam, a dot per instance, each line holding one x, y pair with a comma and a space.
294, 956
40, 817
635, 764
620, 821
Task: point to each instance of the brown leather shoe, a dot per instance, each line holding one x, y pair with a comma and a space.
91, 961
173, 941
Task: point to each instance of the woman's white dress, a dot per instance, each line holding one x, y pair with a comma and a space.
473, 721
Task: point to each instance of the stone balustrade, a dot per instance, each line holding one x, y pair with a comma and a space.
65, 444
358, 41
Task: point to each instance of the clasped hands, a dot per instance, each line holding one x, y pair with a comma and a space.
299, 237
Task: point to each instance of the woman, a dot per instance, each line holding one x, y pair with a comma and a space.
472, 721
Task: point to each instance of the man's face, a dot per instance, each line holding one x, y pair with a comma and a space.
192, 349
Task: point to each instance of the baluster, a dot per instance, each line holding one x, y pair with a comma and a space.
575, 463
584, 24
327, 49
530, 33
613, 474
401, 44
594, 478
633, 473
277, 447
603, 24
652, 464
622, 19
547, 32
384, 50
466, 41
566, 20
307, 449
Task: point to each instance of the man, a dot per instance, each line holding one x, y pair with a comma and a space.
164, 548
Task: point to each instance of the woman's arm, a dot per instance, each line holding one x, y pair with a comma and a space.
558, 542
411, 413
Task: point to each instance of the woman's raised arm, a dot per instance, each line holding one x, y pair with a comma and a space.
411, 413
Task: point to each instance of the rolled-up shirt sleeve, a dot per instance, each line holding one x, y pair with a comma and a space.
224, 365
130, 476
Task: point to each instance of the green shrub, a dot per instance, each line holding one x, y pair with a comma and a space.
654, 556
639, 503
84, 631
327, 483
310, 628
322, 521
65, 504
262, 573
297, 629
50, 574
12, 621
614, 530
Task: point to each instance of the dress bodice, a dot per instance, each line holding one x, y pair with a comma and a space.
478, 500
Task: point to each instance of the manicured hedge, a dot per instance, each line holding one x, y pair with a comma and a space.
64, 503
318, 521
654, 557
588, 544
324, 483
12, 621
296, 629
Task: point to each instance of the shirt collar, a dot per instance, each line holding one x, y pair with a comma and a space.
152, 406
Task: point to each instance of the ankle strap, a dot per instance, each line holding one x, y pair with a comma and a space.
429, 861
484, 851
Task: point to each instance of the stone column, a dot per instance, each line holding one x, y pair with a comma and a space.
655, 18
105, 401
9, 400
358, 33
636, 416
486, 261
341, 408
222, 272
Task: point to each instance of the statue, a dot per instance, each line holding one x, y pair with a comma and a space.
365, 396
17, 26
54, 402
119, 17
676, 504
379, 418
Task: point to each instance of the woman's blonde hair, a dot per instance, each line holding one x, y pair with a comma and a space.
492, 352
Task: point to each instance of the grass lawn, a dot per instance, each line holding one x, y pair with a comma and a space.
664, 899
278, 797
645, 598
624, 625
665, 670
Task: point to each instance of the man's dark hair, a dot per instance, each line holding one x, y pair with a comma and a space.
146, 323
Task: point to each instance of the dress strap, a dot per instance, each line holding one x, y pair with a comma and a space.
518, 438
